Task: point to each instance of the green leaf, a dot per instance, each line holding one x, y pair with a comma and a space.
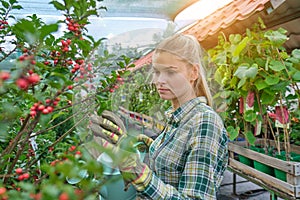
296, 53
296, 76
233, 132
272, 80
58, 5
241, 46
47, 29
17, 7
277, 37
250, 116
276, 65
3, 131
242, 82
260, 84
5, 4
45, 119
244, 71
250, 137
266, 98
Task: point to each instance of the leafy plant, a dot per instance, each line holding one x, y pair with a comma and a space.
257, 75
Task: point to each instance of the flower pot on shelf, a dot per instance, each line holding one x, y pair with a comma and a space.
259, 165
279, 173
246, 160
289, 189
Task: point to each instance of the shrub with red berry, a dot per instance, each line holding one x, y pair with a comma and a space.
39, 138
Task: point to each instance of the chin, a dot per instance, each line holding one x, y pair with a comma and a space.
166, 97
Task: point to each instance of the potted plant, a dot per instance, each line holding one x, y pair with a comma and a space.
260, 91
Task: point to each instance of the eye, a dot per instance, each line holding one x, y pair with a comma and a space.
156, 72
171, 72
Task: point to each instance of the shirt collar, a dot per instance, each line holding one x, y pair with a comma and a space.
179, 113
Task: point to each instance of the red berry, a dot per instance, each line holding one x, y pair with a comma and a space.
46, 62
64, 43
19, 170
21, 177
4, 75
21, 58
65, 49
70, 62
69, 41
2, 190
57, 99
22, 83
50, 109
48, 100
33, 113
76, 66
55, 103
70, 87
64, 196
25, 50
73, 70
45, 111
26, 176
30, 71
111, 90
33, 79
41, 107
33, 62
72, 148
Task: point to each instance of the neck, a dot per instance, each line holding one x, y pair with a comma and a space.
176, 103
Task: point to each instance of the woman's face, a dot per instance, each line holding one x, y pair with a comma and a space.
173, 77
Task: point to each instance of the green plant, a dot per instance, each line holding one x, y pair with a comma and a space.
137, 94
257, 75
40, 143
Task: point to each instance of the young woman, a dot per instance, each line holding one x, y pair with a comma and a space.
189, 157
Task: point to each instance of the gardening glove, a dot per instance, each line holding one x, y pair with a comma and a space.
110, 128
144, 139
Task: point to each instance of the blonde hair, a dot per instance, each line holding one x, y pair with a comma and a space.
188, 48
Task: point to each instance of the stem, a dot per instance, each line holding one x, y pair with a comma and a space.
21, 149
56, 125
285, 131
274, 136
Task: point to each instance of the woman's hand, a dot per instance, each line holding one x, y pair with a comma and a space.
110, 128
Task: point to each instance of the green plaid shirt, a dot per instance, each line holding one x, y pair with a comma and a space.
189, 157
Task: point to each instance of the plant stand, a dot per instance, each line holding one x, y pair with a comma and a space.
288, 190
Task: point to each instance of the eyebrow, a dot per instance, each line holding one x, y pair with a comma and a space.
166, 67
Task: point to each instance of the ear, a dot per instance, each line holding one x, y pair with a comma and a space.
195, 72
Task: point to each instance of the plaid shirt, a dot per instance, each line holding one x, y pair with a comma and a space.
189, 157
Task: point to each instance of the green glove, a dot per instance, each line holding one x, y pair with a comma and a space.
110, 128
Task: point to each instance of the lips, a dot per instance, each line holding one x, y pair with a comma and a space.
163, 89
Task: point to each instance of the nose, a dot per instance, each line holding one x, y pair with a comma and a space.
160, 79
